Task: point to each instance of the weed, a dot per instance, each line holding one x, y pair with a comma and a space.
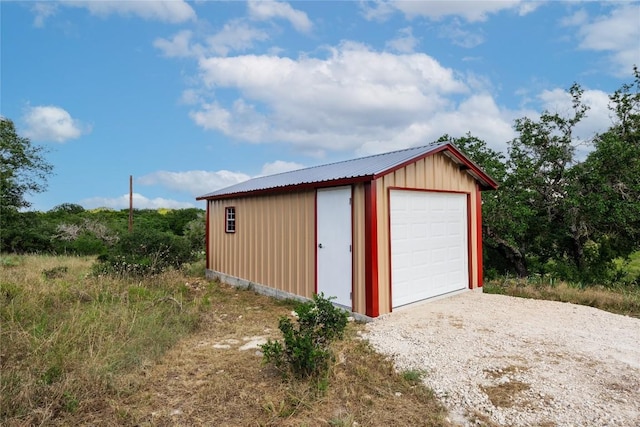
413, 375
65, 341
55, 272
70, 402
9, 261
116, 352
342, 421
304, 350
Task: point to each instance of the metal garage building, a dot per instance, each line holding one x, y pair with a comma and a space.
376, 232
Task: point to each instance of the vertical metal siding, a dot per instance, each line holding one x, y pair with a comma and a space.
435, 172
358, 244
273, 244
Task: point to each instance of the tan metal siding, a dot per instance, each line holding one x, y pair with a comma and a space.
274, 242
435, 172
358, 244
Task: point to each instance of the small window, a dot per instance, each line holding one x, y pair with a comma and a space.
230, 214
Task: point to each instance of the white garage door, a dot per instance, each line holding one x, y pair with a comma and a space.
429, 250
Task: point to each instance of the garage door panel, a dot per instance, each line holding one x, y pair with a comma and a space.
429, 252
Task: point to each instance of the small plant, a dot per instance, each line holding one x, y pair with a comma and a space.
9, 261
305, 351
55, 272
413, 376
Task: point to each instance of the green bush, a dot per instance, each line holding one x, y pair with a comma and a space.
305, 350
144, 252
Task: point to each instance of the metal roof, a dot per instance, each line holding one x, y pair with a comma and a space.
355, 169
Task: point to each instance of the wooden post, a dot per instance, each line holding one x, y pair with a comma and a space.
130, 203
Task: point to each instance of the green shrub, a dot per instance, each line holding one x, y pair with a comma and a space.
305, 350
144, 252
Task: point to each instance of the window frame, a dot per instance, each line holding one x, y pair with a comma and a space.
230, 220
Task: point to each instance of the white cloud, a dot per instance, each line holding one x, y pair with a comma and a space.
617, 33
195, 183
42, 11
579, 17
405, 42
471, 11
178, 46
235, 36
190, 97
280, 166
171, 11
353, 98
460, 36
139, 202
477, 114
359, 100
51, 123
199, 182
598, 118
266, 10
377, 10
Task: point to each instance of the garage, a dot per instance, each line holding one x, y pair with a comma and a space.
429, 244
374, 233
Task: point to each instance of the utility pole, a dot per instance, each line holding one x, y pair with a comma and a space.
130, 203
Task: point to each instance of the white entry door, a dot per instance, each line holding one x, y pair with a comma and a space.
429, 248
333, 245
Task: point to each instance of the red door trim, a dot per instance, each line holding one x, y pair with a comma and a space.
207, 238
479, 257
469, 244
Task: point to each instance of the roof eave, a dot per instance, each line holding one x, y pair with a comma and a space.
487, 183
288, 188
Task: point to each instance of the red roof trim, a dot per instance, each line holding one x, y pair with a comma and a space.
289, 188
469, 165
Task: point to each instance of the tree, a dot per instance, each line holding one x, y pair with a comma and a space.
554, 213
23, 169
606, 187
503, 227
195, 233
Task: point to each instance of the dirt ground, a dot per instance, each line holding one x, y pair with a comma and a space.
216, 377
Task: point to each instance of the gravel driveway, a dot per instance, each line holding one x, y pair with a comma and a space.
519, 362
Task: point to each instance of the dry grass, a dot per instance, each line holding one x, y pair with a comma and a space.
507, 391
178, 374
623, 300
68, 338
504, 395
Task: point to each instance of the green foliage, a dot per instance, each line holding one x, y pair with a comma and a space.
144, 252
66, 341
194, 232
25, 232
554, 213
23, 169
413, 376
70, 229
67, 209
305, 349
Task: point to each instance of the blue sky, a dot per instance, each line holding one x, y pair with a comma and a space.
189, 97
